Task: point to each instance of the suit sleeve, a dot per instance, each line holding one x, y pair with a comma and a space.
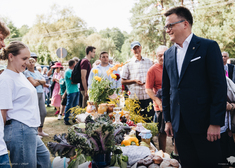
218, 86
165, 92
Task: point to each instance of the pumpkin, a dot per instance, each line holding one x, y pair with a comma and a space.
130, 141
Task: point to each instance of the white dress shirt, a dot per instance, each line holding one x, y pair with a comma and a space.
180, 54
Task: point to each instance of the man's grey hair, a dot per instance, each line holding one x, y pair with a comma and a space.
161, 47
224, 52
76, 59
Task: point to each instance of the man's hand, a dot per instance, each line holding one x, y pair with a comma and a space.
168, 129
158, 102
86, 95
139, 82
213, 133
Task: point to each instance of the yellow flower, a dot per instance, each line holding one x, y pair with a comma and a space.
98, 78
95, 71
113, 76
109, 72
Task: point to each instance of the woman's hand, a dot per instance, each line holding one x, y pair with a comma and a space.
230, 106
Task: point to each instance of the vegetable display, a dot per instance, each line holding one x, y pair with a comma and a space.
100, 136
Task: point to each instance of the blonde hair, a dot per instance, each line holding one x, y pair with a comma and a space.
4, 30
39, 68
14, 48
32, 59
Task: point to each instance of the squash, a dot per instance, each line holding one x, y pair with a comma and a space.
130, 141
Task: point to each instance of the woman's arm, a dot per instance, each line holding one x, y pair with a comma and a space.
4, 115
35, 82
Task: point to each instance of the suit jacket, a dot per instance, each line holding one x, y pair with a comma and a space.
230, 71
198, 95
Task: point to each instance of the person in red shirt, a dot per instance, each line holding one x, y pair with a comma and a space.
153, 84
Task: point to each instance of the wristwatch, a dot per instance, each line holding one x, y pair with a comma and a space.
167, 122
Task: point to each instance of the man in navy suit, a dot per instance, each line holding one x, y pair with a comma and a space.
194, 92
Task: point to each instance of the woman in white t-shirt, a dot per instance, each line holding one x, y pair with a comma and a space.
19, 106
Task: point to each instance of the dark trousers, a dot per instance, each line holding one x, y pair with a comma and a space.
227, 146
195, 151
148, 115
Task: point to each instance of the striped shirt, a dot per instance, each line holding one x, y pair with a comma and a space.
137, 70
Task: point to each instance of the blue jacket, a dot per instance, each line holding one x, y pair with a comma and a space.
198, 95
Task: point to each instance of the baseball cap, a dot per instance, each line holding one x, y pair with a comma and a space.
135, 43
33, 55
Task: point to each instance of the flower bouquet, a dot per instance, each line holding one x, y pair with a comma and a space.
101, 87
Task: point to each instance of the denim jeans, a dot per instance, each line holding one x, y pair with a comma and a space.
72, 101
26, 148
47, 98
4, 161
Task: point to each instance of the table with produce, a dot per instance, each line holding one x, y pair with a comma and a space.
110, 132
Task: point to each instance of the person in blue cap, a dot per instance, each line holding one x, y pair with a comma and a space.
134, 75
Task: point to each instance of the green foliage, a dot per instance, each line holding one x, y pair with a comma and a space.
101, 44
116, 35
101, 89
126, 50
24, 30
14, 31
151, 126
60, 28
215, 21
80, 159
148, 22
98, 136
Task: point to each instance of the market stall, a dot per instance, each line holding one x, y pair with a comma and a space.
110, 133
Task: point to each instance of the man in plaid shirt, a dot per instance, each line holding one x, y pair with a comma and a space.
134, 74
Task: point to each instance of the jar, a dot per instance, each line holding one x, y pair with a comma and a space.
146, 136
110, 108
102, 108
90, 107
138, 130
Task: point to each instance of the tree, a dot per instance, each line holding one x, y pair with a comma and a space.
101, 44
14, 30
60, 28
215, 21
148, 21
23, 30
116, 35
126, 50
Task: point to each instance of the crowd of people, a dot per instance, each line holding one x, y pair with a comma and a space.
187, 85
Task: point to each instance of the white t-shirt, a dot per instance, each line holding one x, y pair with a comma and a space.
19, 96
3, 147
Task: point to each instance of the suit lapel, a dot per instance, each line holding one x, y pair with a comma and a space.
175, 67
192, 48
172, 61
